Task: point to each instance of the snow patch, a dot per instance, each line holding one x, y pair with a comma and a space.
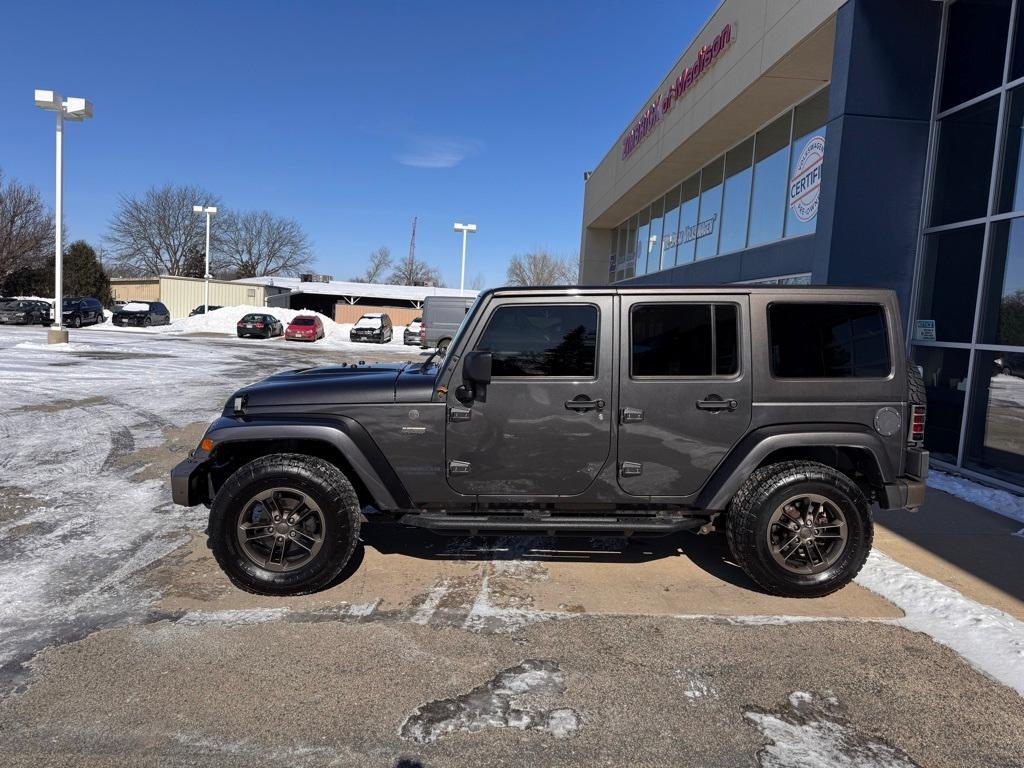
994, 499
807, 733
238, 616
515, 698
429, 605
991, 640
698, 686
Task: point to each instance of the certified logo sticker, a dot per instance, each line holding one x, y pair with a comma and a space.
805, 185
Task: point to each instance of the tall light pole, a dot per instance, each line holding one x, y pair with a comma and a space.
209, 210
76, 110
465, 229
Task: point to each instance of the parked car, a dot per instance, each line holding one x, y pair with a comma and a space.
259, 325
201, 310
25, 312
372, 327
411, 334
142, 313
78, 311
1010, 364
304, 328
779, 414
442, 316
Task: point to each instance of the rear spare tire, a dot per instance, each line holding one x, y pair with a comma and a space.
799, 529
284, 524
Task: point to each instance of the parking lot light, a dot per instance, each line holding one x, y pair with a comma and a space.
76, 110
465, 229
209, 210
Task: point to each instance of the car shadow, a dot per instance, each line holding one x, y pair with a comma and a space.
710, 552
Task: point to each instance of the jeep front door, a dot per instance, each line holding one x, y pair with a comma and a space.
543, 426
684, 390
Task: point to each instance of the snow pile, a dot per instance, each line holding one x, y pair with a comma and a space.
369, 321
998, 501
225, 320
135, 306
991, 640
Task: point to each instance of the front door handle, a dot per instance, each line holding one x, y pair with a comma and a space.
715, 403
582, 403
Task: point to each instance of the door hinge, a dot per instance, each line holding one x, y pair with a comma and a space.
631, 415
456, 467
459, 414
631, 468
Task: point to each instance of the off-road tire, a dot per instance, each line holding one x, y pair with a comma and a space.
916, 393
325, 484
747, 521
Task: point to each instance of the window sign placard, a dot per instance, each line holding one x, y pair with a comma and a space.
805, 183
924, 330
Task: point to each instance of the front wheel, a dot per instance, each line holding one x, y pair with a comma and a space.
76, 322
442, 346
799, 529
284, 524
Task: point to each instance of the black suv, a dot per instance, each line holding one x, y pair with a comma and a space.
142, 313
77, 312
372, 327
778, 414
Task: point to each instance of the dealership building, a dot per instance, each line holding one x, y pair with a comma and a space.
866, 142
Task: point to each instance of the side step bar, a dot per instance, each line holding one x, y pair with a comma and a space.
628, 524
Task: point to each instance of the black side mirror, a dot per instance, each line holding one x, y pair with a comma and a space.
476, 375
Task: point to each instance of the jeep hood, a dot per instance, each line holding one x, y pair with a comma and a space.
340, 384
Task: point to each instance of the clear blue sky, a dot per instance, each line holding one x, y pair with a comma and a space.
350, 117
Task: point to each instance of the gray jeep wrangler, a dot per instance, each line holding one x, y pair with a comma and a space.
780, 414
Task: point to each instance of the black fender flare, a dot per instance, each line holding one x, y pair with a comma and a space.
345, 434
759, 444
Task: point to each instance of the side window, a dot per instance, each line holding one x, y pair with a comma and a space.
684, 340
828, 341
542, 340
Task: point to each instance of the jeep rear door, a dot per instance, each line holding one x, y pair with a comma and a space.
544, 428
685, 389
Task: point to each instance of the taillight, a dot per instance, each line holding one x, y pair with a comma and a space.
240, 323
259, 325
423, 331
917, 418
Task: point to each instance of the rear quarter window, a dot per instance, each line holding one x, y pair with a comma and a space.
828, 341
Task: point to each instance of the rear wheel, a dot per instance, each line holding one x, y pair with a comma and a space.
147, 321
76, 322
442, 345
799, 529
284, 524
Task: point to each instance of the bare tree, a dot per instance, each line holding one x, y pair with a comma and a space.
26, 228
478, 282
258, 244
541, 268
154, 234
412, 271
379, 263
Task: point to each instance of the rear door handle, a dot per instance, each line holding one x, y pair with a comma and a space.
715, 403
582, 403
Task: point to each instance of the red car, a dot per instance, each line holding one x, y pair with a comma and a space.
304, 328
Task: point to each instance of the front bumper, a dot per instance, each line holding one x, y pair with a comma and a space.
10, 320
190, 484
366, 337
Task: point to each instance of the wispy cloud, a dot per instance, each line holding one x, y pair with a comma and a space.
434, 152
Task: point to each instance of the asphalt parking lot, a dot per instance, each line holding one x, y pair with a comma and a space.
121, 643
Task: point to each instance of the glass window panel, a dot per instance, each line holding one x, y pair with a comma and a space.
727, 358
542, 340
1011, 175
672, 340
705, 232
963, 163
670, 232
736, 197
945, 380
828, 341
807, 156
643, 233
975, 49
771, 166
613, 253
654, 238
1003, 310
949, 282
995, 432
690, 193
